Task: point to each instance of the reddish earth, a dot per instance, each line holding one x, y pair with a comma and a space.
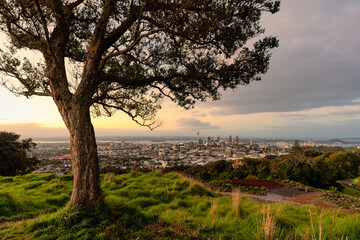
266, 184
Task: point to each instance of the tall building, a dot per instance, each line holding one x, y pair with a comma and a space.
198, 138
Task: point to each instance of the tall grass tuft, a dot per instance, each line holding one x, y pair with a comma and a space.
109, 177
268, 224
236, 200
174, 185
313, 233
213, 208
192, 181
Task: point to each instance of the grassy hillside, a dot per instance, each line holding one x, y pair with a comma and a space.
356, 181
156, 206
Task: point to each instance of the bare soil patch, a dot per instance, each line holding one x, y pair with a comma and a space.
317, 199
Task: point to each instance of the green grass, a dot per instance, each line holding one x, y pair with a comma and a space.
22, 197
156, 206
356, 181
349, 191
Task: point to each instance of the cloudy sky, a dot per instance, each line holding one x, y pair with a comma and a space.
312, 89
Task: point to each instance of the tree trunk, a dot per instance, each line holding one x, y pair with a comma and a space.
86, 190
75, 111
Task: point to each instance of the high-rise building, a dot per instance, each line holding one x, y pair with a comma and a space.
199, 141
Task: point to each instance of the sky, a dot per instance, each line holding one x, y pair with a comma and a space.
312, 89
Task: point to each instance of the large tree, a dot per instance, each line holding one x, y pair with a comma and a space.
126, 55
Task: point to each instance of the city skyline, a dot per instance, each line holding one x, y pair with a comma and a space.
311, 89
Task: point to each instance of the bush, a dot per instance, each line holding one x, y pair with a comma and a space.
13, 155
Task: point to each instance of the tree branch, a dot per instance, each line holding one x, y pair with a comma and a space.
137, 40
44, 24
75, 4
88, 85
153, 124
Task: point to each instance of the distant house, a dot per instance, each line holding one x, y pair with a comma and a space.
265, 184
238, 164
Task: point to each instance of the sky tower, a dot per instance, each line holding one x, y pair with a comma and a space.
198, 137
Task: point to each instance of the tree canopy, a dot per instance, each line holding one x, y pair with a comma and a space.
133, 53
14, 159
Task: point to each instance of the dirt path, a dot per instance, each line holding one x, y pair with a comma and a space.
275, 195
298, 197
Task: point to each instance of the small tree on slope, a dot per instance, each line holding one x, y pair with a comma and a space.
14, 159
128, 55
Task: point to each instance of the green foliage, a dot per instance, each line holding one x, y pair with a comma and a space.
315, 170
342, 165
212, 171
310, 168
148, 214
14, 158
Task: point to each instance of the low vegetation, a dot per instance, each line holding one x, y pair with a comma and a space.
156, 206
343, 201
307, 167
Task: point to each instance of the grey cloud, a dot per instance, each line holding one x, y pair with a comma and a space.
317, 63
344, 113
295, 117
313, 130
195, 123
198, 114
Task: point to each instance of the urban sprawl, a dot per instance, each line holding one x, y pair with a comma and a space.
126, 155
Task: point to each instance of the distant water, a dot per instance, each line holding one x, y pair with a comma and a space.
51, 141
135, 140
